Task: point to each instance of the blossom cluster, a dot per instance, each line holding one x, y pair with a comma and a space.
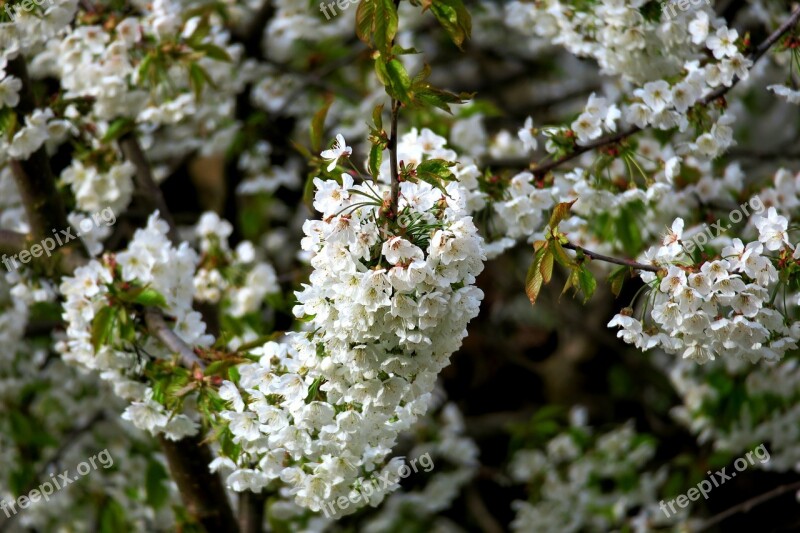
150, 261
579, 480
719, 307
387, 306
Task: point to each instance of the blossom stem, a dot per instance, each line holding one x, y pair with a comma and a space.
721, 91
393, 159
609, 259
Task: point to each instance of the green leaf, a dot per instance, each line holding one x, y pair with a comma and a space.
112, 517
198, 77
8, 122
375, 159
435, 172
376, 24
617, 278
535, 279
561, 256
118, 128
377, 116
151, 297
454, 18
318, 126
155, 484
426, 94
560, 212
393, 75
546, 267
213, 51
102, 326
586, 282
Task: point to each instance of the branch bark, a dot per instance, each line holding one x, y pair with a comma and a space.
395, 199
148, 191
157, 326
251, 511
33, 176
202, 492
609, 259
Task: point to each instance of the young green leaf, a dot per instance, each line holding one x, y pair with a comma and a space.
535, 279
454, 18
376, 24
318, 126
560, 212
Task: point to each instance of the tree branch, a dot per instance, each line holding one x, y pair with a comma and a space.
747, 505
609, 259
33, 176
201, 491
393, 159
158, 328
148, 190
251, 511
541, 170
11, 242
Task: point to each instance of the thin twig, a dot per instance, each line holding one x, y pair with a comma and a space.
158, 327
146, 187
609, 259
393, 159
541, 170
747, 506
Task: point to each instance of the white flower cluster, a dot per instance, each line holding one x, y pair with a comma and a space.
238, 276
95, 190
387, 308
720, 307
582, 482
151, 261
765, 409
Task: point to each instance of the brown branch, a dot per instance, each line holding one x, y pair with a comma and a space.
251, 511
201, 491
158, 328
609, 259
11, 242
541, 170
33, 176
747, 506
148, 191
481, 513
395, 200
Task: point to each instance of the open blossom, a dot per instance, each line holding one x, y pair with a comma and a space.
723, 43
338, 150
526, 135
772, 230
